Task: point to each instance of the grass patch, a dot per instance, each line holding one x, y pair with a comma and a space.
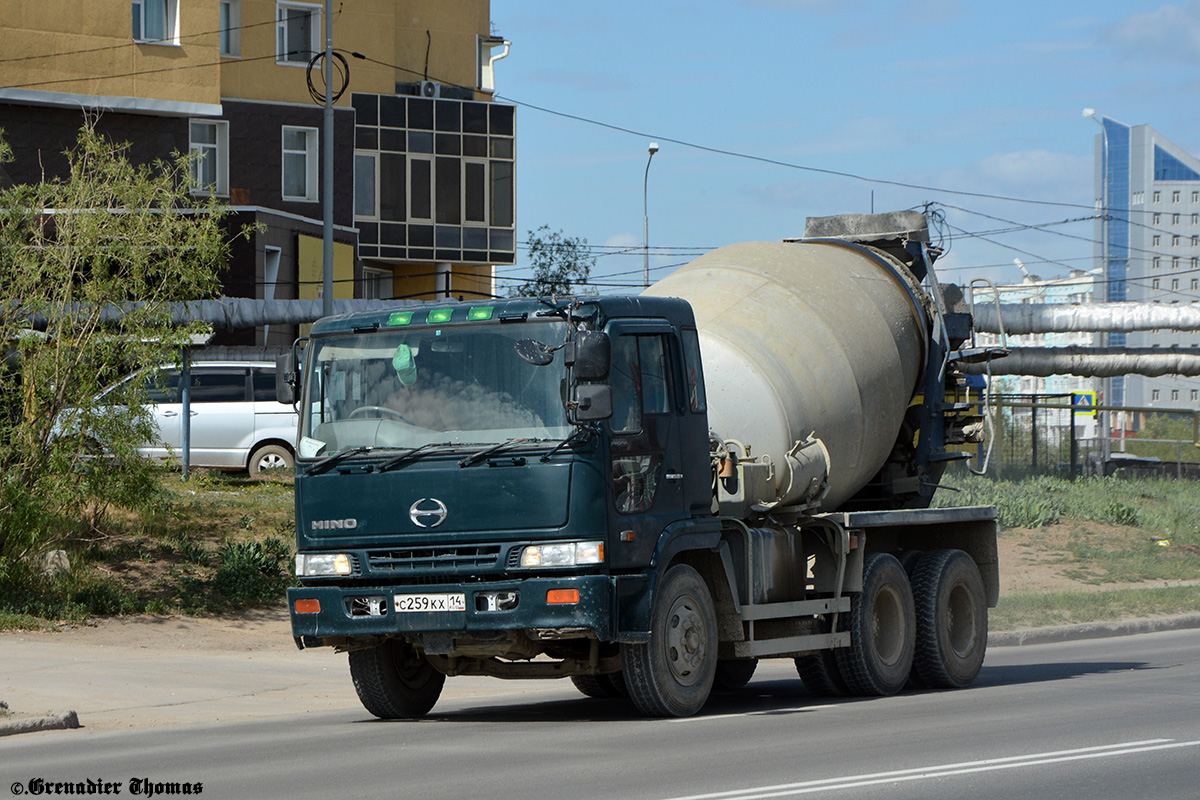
216, 543
1019, 611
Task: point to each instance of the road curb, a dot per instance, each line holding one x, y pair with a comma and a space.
1092, 630
68, 719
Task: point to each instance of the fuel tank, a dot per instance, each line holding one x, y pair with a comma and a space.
812, 352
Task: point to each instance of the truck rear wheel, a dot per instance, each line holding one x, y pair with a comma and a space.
394, 681
734, 673
952, 622
882, 627
601, 686
672, 674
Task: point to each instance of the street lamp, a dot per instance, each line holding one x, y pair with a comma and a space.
646, 218
1106, 383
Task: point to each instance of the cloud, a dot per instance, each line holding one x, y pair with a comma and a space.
1170, 32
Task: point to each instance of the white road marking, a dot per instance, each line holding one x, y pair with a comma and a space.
943, 770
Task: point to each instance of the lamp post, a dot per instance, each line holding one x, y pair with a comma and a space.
1106, 383
646, 218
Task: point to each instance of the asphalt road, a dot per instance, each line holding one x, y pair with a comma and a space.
1093, 720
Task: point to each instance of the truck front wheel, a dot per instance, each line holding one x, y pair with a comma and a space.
952, 620
882, 628
394, 681
672, 674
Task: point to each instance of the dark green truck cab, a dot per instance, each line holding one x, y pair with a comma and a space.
478, 485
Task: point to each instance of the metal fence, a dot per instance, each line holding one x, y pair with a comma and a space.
1042, 435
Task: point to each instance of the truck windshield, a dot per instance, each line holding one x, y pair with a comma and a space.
395, 389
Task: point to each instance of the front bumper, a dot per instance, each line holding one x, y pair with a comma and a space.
341, 609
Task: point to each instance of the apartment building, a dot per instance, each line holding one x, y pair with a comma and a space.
1148, 241
424, 160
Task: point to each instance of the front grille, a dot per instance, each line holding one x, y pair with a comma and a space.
434, 559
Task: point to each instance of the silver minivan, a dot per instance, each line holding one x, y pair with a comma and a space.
236, 422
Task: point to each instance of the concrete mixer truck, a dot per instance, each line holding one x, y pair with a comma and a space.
648, 494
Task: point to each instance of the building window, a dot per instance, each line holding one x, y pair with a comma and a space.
1156, 219
1156, 241
208, 142
231, 28
1154, 395
155, 21
1196, 197
1174, 219
300, 164
1174, 241
377, 284
1156, 262
1157, 197
297, 32
1175, 196
1175, 284
366, 185
1154, 283
1174, 395
1195, 395
1196, 219
1174, 262
420, 189
1139, 198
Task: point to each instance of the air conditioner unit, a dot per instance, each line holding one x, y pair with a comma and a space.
431, 89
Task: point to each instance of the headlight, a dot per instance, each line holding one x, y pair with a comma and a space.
562, 554
318, 564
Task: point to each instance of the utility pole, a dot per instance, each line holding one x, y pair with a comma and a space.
327, 170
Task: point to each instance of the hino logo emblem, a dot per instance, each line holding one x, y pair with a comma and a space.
334, 524
416, 512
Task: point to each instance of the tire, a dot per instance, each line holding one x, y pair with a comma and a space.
952, 620
882, 625
394, 681
734, 673
271, 457
601, 686
672, 674
819, 671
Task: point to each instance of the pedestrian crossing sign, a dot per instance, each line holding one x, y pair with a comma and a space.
1084, 403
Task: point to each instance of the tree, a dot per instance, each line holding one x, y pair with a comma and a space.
560, 265
106, 236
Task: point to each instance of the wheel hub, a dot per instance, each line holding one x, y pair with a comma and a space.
686, 641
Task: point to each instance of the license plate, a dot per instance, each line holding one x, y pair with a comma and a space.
430, 602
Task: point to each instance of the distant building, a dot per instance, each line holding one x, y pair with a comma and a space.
1152, 236
424, 161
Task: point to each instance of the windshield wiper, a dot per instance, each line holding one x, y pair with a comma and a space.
496, 448
577, 435
328, 461
397, 460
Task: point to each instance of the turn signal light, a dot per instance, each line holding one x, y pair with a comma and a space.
310, 605
562, 596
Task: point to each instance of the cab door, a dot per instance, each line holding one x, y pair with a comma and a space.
646, 467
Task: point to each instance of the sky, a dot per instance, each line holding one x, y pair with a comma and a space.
755, 104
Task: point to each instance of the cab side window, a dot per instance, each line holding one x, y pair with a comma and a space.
639, 380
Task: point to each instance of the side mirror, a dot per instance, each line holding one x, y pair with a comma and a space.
593, 401
592, 356
285, 379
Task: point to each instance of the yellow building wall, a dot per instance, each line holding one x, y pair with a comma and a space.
87, 48
390, 32
310, 262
